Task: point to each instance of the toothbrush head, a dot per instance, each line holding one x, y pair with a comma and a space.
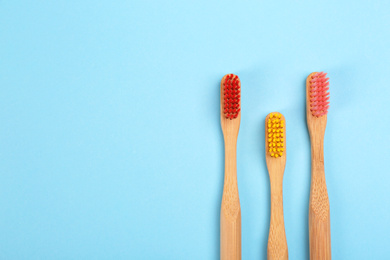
275, 131
231, 96
318, 94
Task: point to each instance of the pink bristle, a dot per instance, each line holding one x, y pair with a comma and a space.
319, 95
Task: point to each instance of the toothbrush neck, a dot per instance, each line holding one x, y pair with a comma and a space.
276, 184
317, 154
230, 158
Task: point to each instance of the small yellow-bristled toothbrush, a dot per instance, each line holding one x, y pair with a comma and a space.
230, 208
317, 104
275, 156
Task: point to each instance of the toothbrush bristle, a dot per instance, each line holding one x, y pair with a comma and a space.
231, 96
275, 132
319, 95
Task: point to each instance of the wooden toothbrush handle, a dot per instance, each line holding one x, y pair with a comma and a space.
230, 234
319, 214
277, 242
230, 208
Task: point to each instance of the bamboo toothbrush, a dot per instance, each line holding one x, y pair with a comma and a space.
275, 156
230, 208
317, 104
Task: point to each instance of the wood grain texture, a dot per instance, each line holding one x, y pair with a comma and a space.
277, 242
230, 208
319, 211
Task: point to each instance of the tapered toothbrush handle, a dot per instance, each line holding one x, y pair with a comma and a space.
319, 213
230, 208
277, 242
230, 235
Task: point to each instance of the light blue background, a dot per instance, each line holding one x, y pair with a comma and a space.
111, 146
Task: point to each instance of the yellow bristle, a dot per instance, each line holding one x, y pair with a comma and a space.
275, 130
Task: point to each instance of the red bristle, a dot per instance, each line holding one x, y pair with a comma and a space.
319, 95
231, 94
